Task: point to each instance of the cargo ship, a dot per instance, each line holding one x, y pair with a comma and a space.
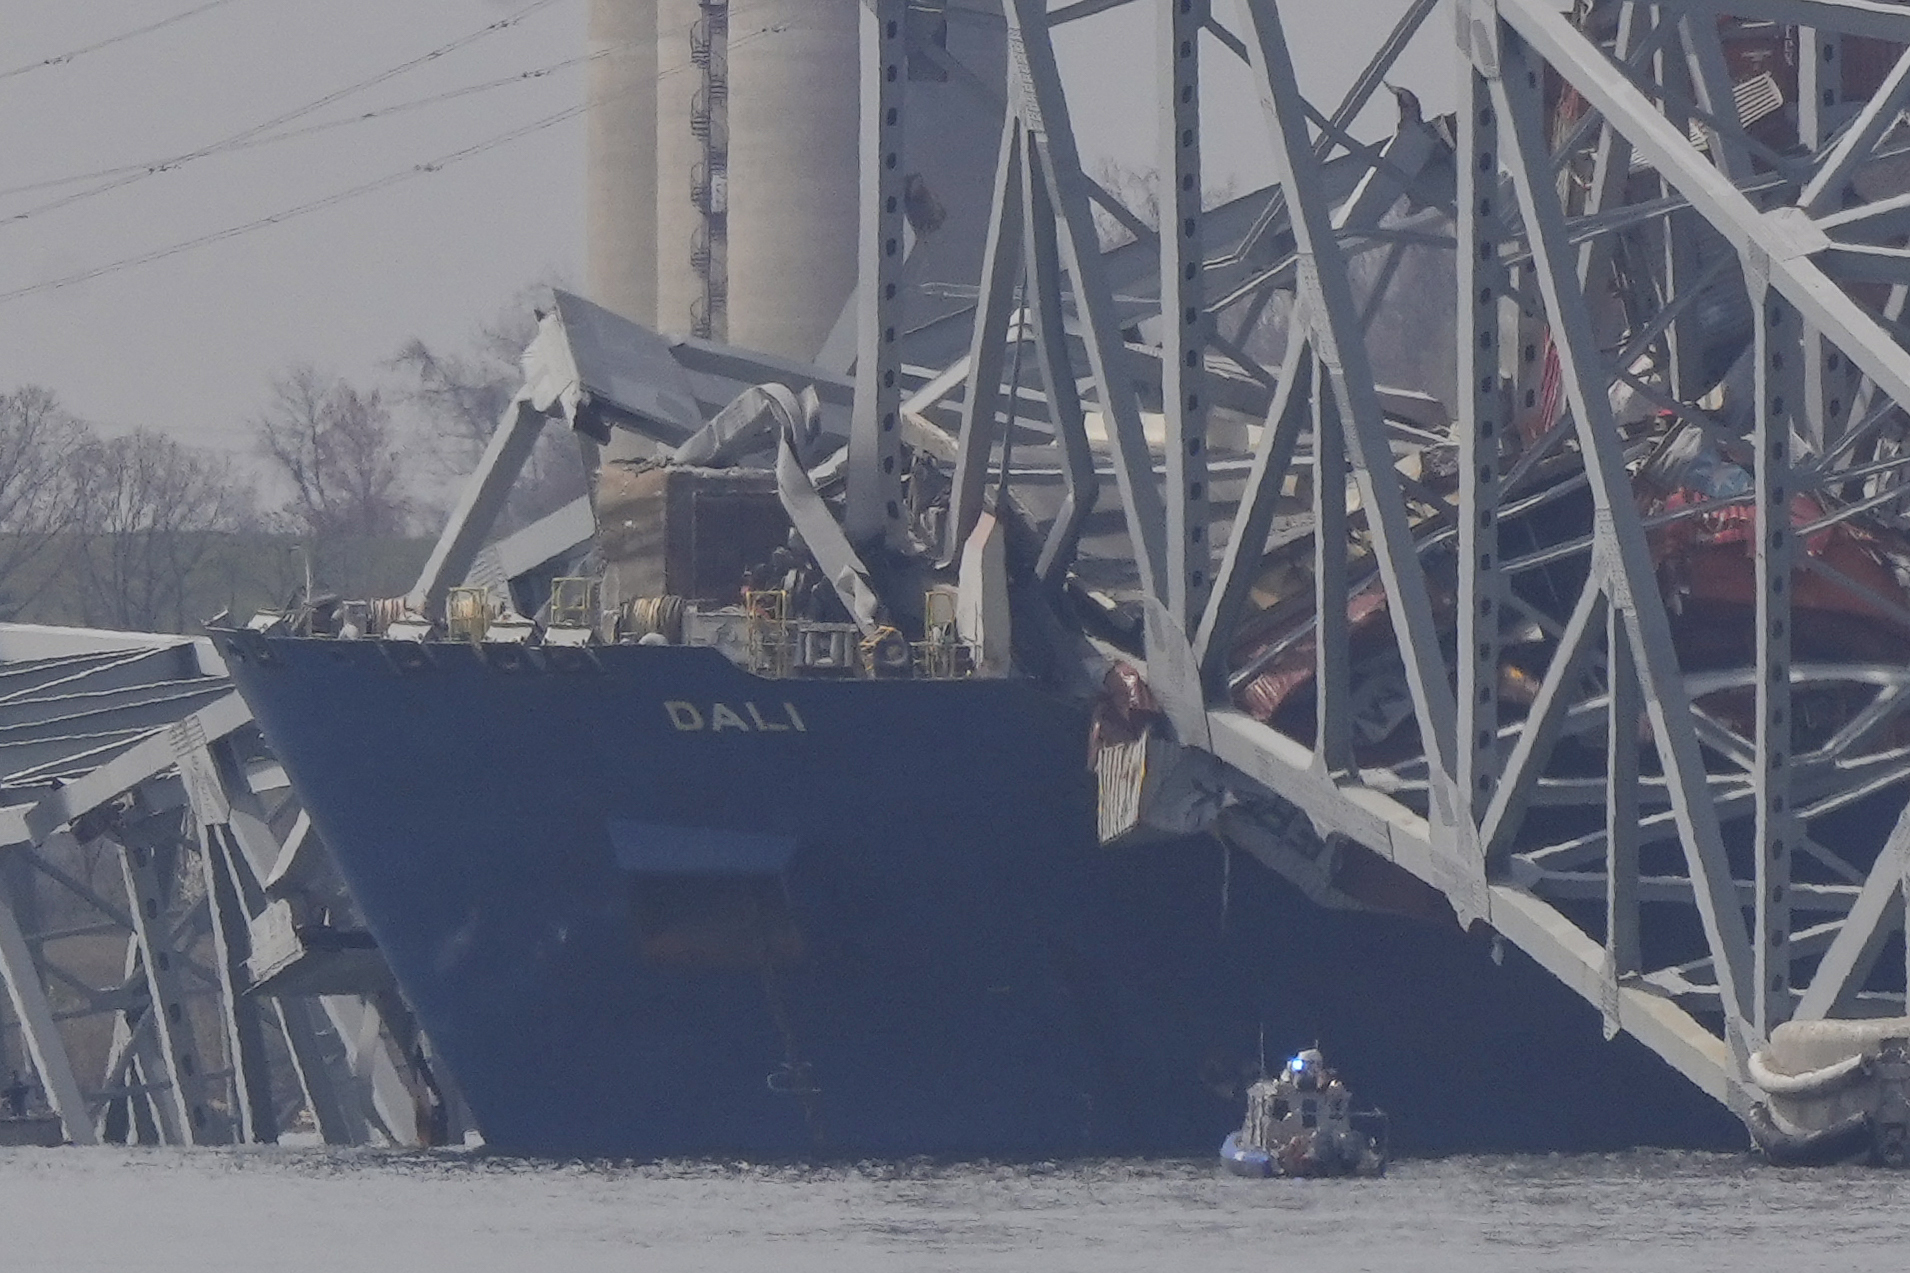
654, 905
701, 868
690, 827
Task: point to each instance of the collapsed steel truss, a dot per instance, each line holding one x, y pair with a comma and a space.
133, 754
1659, 829
1601, 630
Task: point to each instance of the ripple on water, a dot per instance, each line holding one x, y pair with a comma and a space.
291, 1210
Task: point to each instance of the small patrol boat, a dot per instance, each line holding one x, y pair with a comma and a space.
1303, 1124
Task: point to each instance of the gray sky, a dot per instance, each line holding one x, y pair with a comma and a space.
188, 344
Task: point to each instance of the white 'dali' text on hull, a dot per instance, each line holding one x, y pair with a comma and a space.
748, 718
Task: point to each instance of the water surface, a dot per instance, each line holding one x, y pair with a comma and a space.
295, 1210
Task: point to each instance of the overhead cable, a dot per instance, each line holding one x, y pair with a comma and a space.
290, 214
343, 196
325, 126
244, 136
73, 54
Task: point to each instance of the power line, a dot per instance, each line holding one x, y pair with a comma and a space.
73, 54
291, 214
241, 138
292, 134
343, 196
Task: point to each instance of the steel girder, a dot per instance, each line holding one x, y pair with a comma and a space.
1654, 288
132, 834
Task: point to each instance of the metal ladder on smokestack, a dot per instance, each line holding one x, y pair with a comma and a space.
709, 180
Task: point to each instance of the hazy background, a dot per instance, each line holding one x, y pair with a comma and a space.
188, 344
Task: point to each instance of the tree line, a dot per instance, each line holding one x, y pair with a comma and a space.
343, 485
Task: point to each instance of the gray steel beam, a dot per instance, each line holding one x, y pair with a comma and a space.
1622, 831
131, 707
1780, 344
479, 504
1183, 315
337, 1113
1682, 81
1544, 720
1043, 109
39, 1028
214, 785
186, 1114
1786, 236
1829, 186
257, 1119
1339, 345
1877, 912
1820, 84
1247, 541
1002, 259
1578, 886
1878, 19
1042, 270
1481, 287
873, 512
1711, 89
555, 535
1332, 657
25, 645
1279, 765
388, 1099
1623, 558
147, 759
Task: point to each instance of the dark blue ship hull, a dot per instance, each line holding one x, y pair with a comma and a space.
646, 904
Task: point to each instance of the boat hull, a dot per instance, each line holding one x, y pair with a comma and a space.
647, 904
1254, 1164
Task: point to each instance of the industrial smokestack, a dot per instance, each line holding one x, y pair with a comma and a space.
620, 216
691, 138
793, 105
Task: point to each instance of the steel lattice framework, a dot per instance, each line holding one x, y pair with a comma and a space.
1678, 808
1520, 497
134, 752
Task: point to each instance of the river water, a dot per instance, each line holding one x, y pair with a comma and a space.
294, 1210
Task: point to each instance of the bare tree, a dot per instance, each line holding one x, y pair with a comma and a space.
38, 490
461, 395
1138, 190
335, 445
152, 512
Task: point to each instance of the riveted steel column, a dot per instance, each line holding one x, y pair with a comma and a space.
1183, 310
1332, 660
1820, 84
1779, 350
1625, 711
1626, 558
874, 509
1481, 284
